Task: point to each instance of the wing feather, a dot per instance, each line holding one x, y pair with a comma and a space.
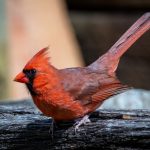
109, 90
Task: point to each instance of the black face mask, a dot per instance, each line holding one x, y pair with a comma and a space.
30, 74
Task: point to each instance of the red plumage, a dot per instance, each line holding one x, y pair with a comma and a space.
74, 92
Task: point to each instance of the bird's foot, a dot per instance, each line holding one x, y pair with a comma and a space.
83, 121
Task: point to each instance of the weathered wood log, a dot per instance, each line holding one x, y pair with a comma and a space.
23, 127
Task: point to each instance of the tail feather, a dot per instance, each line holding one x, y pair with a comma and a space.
109, 61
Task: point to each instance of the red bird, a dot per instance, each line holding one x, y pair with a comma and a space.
71, 93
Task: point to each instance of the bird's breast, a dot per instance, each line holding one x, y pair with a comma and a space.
59, 106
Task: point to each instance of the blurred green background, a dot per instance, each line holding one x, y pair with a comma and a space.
3, 56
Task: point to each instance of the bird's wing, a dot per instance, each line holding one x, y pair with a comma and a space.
104, 92
93, 88
107, 91
95, 97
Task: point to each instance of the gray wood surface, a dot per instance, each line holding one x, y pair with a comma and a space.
23, 127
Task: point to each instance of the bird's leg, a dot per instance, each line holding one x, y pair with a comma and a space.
52, 127
80, 122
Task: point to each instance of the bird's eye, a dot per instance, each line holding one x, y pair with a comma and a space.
33, 71
30, 72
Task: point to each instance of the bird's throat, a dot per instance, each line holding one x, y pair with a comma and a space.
31, 89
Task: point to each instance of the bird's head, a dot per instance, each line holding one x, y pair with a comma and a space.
36, 72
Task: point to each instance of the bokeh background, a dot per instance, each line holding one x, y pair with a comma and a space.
78, 32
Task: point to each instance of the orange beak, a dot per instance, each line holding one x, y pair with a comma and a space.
21, 77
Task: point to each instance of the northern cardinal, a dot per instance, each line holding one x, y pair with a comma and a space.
71, 93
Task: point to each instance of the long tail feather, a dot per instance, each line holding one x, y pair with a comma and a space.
109, 61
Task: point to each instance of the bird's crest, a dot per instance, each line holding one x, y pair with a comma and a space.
42, 54
39, 59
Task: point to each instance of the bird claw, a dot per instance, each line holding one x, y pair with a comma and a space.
83, 121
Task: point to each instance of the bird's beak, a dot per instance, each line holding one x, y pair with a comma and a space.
21, 77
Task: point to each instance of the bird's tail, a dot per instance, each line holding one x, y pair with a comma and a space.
109, 61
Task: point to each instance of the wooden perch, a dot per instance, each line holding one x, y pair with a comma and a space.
23, 127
